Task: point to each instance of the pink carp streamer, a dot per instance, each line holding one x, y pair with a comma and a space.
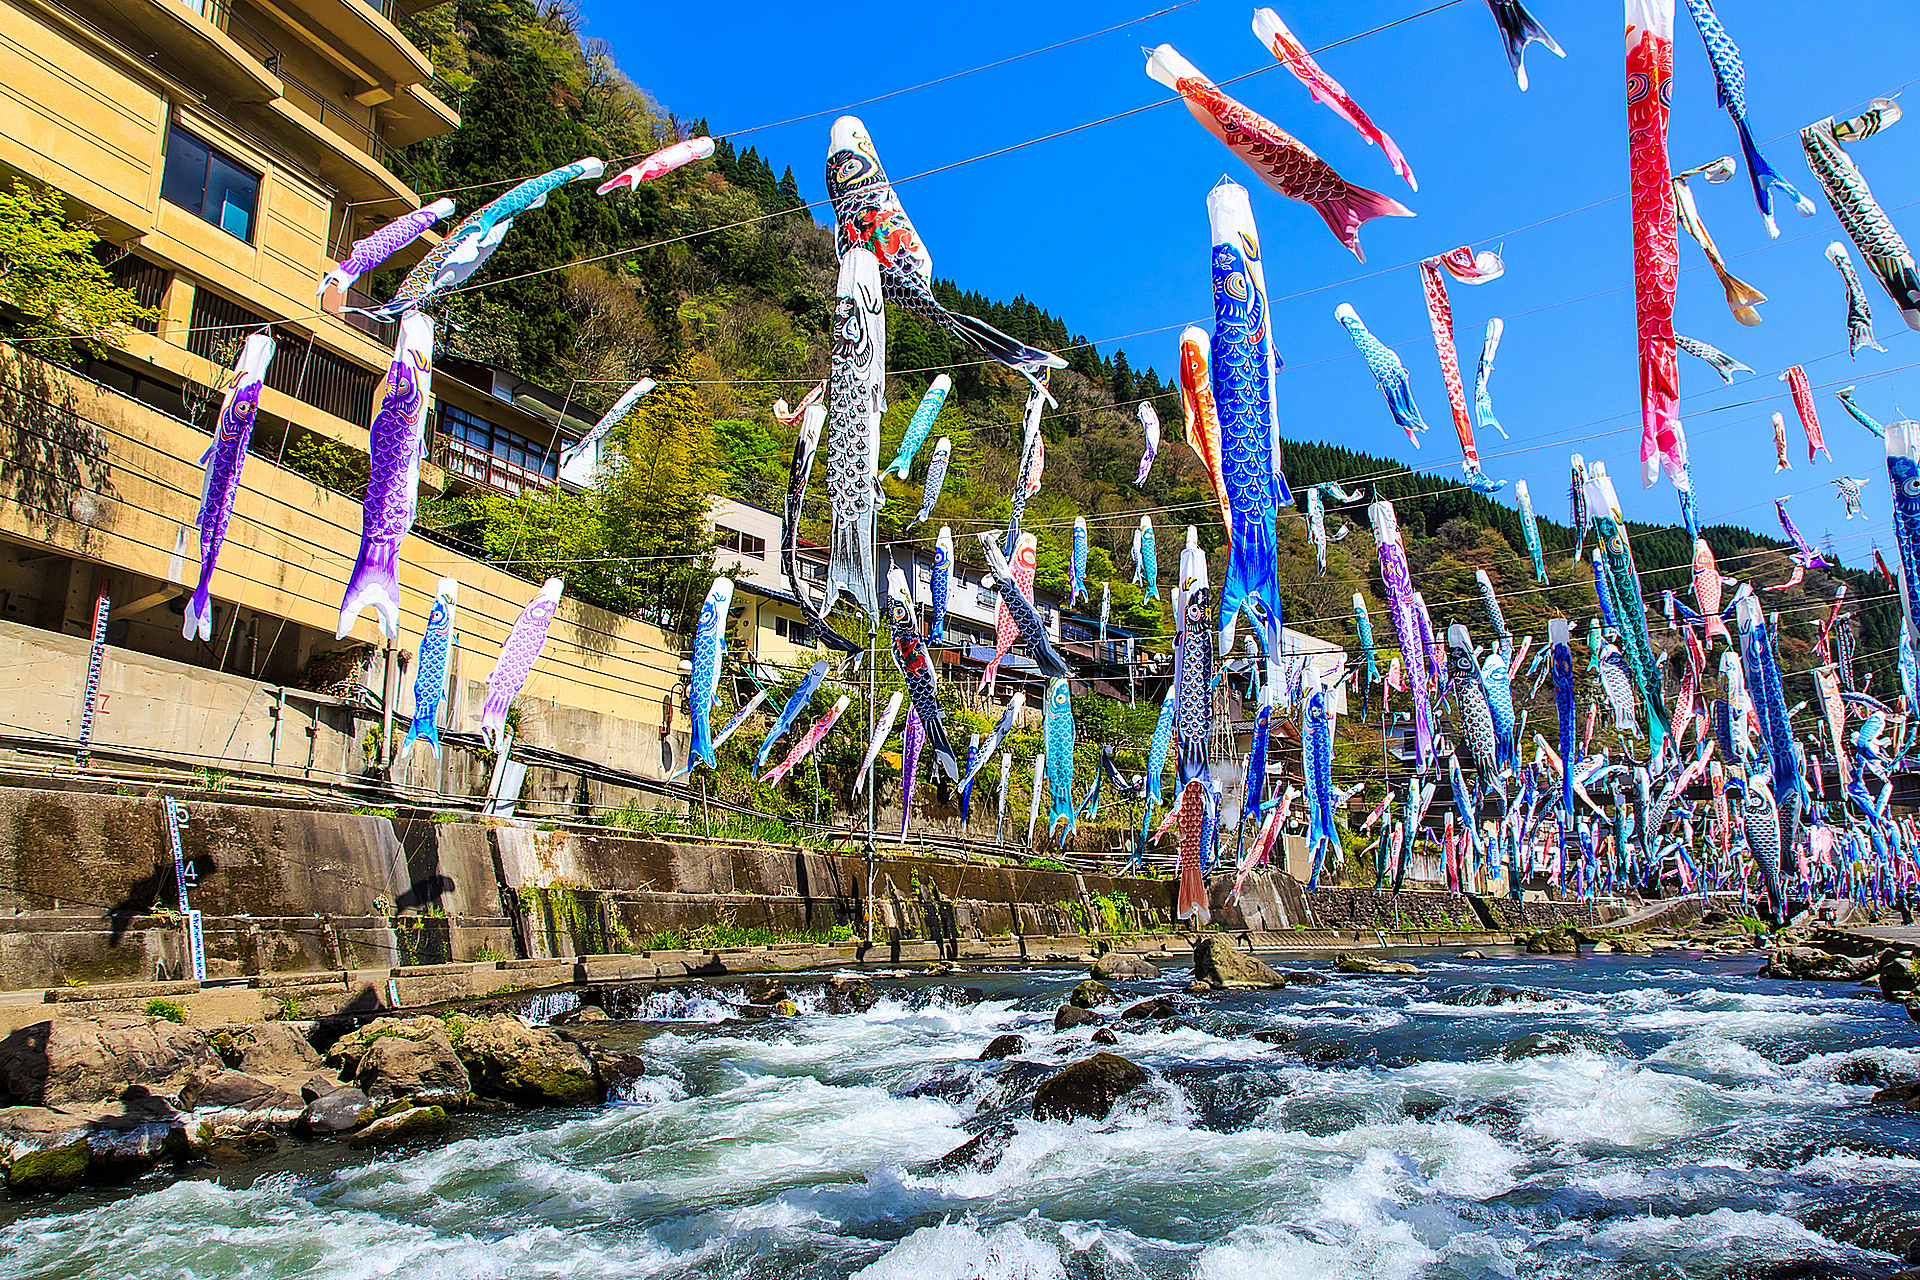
1796, 380
659, 164
517, 656
1270, 31
807, 743
1656, 237
1283, 162
1440, 316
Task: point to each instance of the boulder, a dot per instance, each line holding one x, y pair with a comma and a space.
766, 991
846, 995
1899, 976
1003, 1047
265, 1049
1304, 978
981, 1153
233, 1101
1535, 1045
1117, 966
1472, 955
336, 1112
1905, 1096
1199, 987
1158, 1007
532, 1066
45, 1150
1069, 1016
68, 1060
1091, 995
1217, 962
1810, 964
1088, 1088
1105, 1035
1557, 942
402, 1126
393, 1058
1353, 962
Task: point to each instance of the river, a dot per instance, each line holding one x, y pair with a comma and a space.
1686, 1120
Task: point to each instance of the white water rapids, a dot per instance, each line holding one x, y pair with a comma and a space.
1687, 1120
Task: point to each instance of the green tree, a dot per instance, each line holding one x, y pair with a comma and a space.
50, 273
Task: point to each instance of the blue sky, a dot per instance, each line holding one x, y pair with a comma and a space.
1107, 226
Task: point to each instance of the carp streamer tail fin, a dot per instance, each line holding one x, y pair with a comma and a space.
1350, 207
1005, 348
372, 583
1765, 179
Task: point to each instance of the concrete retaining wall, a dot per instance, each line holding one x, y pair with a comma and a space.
87, 890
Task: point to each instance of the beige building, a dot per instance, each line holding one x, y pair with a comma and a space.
228, 152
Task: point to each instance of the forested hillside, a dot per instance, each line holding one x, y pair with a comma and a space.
716, 281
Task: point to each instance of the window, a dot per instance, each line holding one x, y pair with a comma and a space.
494, 456
146, 281
202, 180
792, 629
725, 539
813, 570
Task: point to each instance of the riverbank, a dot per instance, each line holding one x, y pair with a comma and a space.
104, 1085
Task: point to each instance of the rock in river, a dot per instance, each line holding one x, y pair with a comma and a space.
1087, 1088
1069, 1016
1118, 965
1003, 1047
1220, 964
1091, 995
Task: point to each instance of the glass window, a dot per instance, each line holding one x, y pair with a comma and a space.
744, 543
202, 180
510, 447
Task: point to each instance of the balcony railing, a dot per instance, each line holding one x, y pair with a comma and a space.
330, 115
461, 459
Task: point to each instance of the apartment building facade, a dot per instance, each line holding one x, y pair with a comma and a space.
228, 152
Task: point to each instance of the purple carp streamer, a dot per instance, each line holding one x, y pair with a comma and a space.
223, 460
367, 254
1387, 370
1398, 583
1723, 364
1730, 77
867, 213
396, 445
1150, 429
1283, 162
911, 739
517, 656
1867, 225
856, 397
1859, 318
1518, 29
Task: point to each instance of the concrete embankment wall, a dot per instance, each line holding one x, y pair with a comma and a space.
87, 890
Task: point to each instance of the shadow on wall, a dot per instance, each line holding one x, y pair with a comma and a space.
56, 461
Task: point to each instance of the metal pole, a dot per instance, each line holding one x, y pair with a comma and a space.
386, 714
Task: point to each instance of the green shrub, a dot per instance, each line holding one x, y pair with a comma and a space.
171, 1010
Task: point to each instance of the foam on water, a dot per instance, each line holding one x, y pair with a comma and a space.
1637, 1120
